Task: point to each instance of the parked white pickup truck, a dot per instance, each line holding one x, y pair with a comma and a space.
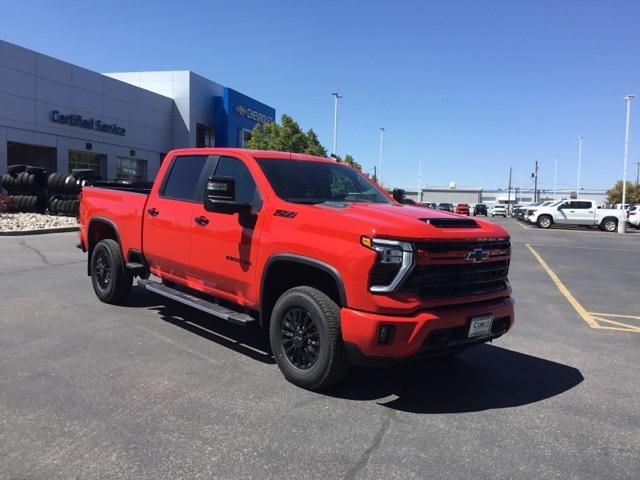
577, 212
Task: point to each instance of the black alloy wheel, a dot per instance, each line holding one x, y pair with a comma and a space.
103, 272
111, 280
300, 338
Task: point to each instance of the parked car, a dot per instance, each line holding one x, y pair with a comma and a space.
446, 207
498, 210
250, 237
578, 212
480, 209
462, 209
633, 216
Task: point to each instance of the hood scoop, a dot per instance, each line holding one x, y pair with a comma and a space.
450, 222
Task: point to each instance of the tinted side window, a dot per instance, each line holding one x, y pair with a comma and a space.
182, 181
584, 205
246, 189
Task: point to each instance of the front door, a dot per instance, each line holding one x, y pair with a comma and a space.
576, 213
169, 217
224, 246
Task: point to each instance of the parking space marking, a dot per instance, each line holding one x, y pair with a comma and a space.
619, 326
521, 224
594, 320
564, 290
588, 248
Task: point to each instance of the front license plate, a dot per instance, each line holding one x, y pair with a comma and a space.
480, 326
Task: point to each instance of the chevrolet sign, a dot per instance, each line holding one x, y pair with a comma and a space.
253, 115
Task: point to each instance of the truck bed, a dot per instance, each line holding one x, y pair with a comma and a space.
127, 186
122, 205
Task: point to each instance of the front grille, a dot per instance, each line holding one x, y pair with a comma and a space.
449, 280
443, 247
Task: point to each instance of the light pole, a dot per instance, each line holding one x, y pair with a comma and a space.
621, 225
381, 143
580, 138
420, 179
555, 177
337, 96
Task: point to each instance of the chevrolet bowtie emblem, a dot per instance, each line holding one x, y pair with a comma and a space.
477, 255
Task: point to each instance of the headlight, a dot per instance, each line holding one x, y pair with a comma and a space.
395, 260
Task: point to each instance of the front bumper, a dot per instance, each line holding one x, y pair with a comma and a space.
426, 333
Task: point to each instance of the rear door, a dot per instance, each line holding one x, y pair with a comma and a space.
224, 246
169, 216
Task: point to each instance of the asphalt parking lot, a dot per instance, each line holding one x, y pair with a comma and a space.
157, 390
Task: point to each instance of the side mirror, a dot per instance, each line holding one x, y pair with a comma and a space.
398, 195
220, 197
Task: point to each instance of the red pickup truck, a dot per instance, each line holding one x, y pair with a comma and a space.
306, 247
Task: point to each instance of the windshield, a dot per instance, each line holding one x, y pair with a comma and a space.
299, 181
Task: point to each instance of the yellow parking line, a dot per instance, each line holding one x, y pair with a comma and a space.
595, 314
618, 326
520, 224
564, 291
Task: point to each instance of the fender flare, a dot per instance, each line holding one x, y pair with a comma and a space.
309, 261
92, 222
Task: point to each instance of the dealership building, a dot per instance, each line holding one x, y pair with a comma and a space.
61, 117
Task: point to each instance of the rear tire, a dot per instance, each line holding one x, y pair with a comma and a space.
111, 280
544, 221
609, 224
306, 338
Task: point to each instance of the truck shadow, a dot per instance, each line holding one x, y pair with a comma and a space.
251, 342
483, 378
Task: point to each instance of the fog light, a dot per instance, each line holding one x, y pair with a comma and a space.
386, 334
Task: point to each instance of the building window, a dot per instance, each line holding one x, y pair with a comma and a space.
131, 169
245, 136
204, 136
85, 160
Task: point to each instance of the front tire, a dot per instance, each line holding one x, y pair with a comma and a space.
544, 221
111, 280
306, 338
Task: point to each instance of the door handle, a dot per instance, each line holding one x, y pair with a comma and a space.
153, 212
202, 221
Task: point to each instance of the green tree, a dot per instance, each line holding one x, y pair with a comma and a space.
286, 137
614, 194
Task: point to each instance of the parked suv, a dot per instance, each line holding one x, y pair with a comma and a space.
498, 210
480, 209
462, 209
306, 248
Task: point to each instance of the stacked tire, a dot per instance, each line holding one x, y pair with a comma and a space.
63, 189
27, 186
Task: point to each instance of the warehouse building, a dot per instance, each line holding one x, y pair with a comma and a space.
479, 195
60, 116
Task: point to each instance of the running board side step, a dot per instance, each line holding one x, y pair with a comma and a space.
201, 304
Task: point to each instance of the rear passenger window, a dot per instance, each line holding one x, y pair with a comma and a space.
184, 176
583, 205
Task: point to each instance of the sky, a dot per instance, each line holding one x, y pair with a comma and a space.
469, 87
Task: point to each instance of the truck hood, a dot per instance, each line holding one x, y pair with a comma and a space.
410, 222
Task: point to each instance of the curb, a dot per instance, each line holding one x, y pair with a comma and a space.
17, 233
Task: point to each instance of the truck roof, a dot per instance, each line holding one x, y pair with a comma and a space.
254, 153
